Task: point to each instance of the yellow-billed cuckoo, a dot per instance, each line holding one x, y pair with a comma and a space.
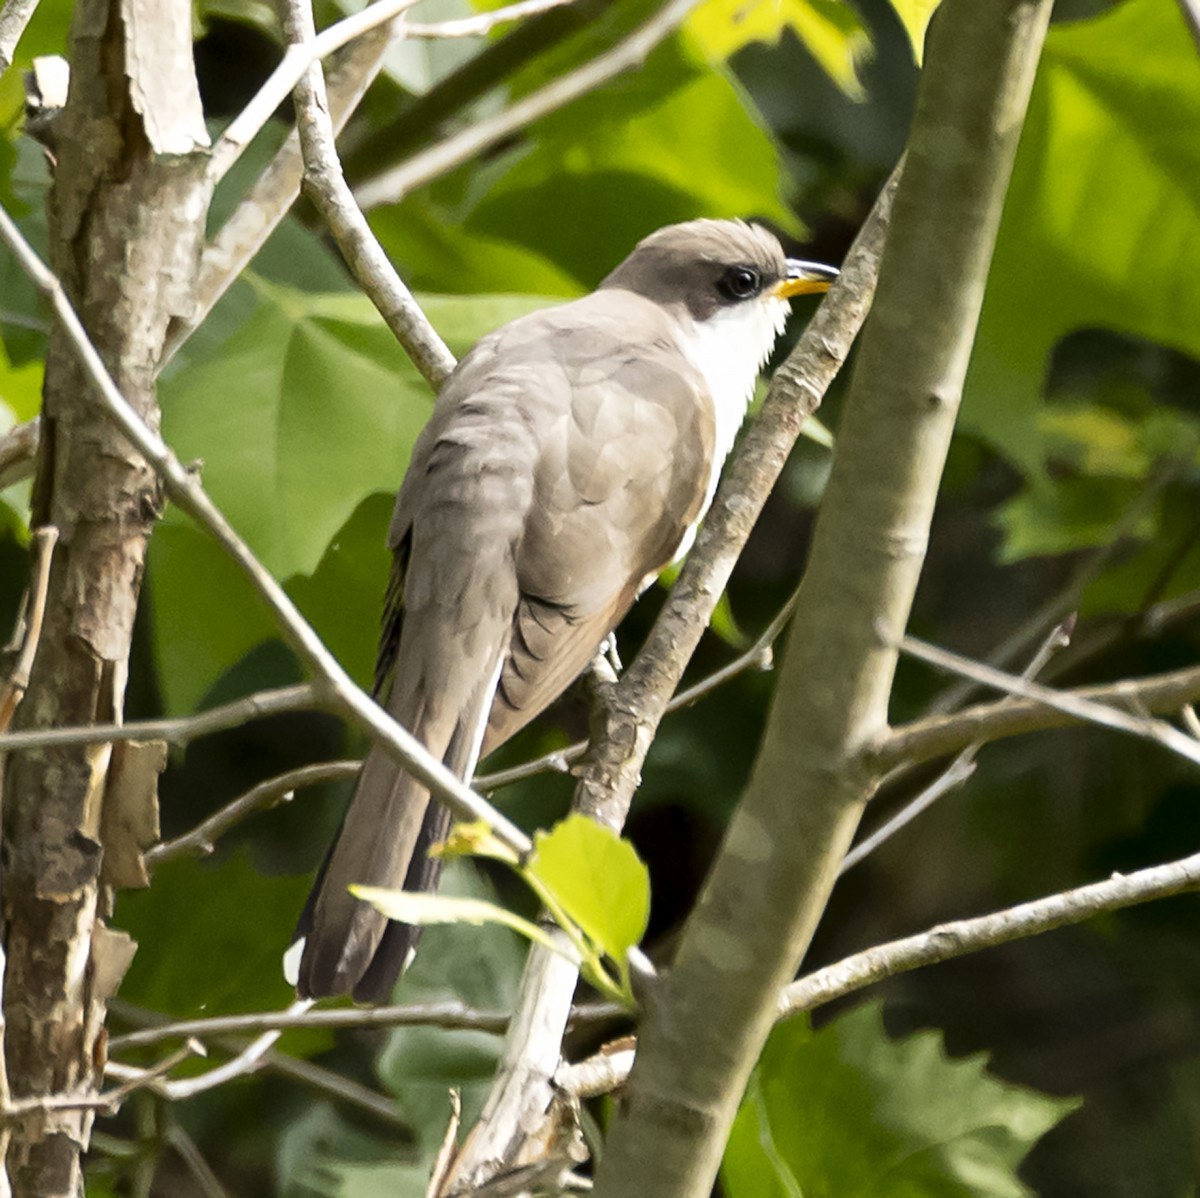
568, 459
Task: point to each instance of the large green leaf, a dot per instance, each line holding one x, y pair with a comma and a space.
1099, 228
850, 1113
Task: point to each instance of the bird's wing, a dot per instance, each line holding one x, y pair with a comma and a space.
621, 479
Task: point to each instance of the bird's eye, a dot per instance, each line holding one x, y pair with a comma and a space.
739, 283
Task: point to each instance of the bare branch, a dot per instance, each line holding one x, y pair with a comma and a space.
14, 16
295, 63
942, 943
18, 452
201, 1171
188, 493
178, 730
453, 1015
395, 184
329, 191
958, 771
1077, 705
936, 736
315, 1077
107, 1103
202, 839
482, 23
13, 687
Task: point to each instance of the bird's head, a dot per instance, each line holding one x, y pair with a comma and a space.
726, 283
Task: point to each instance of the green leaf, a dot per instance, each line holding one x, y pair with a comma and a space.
235, 924
1067, 515
914, 16
425, 909
597, 879
829, 28
850, 1113
1100, 220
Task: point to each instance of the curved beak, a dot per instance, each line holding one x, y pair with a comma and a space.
804, 278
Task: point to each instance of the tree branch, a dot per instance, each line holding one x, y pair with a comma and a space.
812, 778
454, 1016
241, 237
482, 23
330, 193
202, 839
177, 730
605, 1071
294, 65
936, 736
14, 16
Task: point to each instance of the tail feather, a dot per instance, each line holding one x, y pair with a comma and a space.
349, 946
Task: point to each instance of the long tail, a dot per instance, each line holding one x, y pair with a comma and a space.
346, 946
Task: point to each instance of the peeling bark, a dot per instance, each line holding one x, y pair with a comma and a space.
126, 219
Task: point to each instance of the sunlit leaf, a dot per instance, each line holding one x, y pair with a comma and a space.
914, 16
1099, 227
829, 28
598, 880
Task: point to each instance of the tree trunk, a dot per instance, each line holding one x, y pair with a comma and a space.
127, 215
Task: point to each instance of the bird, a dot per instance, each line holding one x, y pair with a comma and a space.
568, 459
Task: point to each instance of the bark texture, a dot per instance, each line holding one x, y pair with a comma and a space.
127, 215
707, 1021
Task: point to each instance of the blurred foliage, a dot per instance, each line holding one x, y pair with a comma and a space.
1075, 469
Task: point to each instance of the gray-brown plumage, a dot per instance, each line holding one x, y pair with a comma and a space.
566, 462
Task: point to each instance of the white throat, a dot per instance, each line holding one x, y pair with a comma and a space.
729, 349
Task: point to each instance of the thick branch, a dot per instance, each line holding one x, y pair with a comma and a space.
771, 881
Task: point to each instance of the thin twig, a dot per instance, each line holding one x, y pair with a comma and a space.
18, 452
201, 1171
110, 1101
452, 1015
178, 730
482, 23
1073, 704
292, 67
941, 943
937, 736
249, 1060
329, 190
14, 16
14, 686
957, 772
469, 143
305, 1073
202, 839
187, 492
1059, 606
1191, 721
